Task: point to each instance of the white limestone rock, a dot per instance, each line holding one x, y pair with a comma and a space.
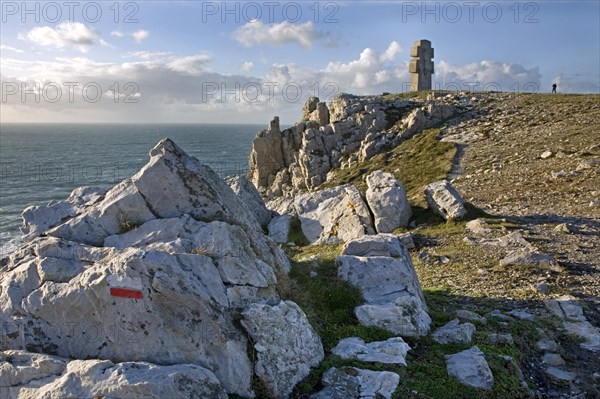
333, 215
286, 345
391, 351
444, 200
279, 228
38, 219
171, 184
374, 245
469, 315
250, 197
102, 378
454, 333
19, 367
470, 368
387, 199
156, 270
351, 382
391, 289
528, 257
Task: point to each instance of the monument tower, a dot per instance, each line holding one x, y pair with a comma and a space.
421, 65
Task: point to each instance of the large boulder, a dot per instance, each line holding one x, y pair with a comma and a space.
157, 270
33, 376
444, 200
333, 215
286, 345
38, 219
387, 199
393, 296
250, 197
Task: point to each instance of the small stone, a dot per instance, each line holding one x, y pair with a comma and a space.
542, 288
595, 203
501, 339
470, 368
351, 382
553, 359
470, 316
546, 345
560, 374
563, 228
559, 174
454, 333
392, 351
499, 315
478, 226
523, 315
444, 260
546, 154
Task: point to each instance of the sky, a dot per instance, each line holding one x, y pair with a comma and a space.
245, 62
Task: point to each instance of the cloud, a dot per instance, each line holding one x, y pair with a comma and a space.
487, 75
577, 83
150, 55
192, 65
256, 33
137, 36
140, 35
247, 66
9, 48
65, 34
371, 70
185, 88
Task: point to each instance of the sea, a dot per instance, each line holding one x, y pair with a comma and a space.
40, 163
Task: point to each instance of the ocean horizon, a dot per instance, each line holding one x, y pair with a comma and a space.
43, 162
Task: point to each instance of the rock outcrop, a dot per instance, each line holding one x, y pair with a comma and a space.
158, 269
444, 200
390, 287
350, 129
387, 199
329, 216
250, 197
36, 376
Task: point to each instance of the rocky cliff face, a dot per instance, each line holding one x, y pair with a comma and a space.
348, 130
167, 267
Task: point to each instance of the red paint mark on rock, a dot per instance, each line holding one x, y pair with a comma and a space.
126, 293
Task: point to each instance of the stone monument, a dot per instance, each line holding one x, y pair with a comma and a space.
421, 65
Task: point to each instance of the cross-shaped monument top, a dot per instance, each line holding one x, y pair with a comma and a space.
421, 65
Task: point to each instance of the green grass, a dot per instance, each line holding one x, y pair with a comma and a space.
416, 162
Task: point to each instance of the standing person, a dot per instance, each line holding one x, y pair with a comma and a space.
553, 87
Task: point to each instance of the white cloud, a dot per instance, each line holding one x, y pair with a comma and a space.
576, 84
140, 35
254, 33
186, 89
364, 75
487, 75
391, 52
150, 55
247, 66
65, 34
192, 65
117, 33
9, 48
